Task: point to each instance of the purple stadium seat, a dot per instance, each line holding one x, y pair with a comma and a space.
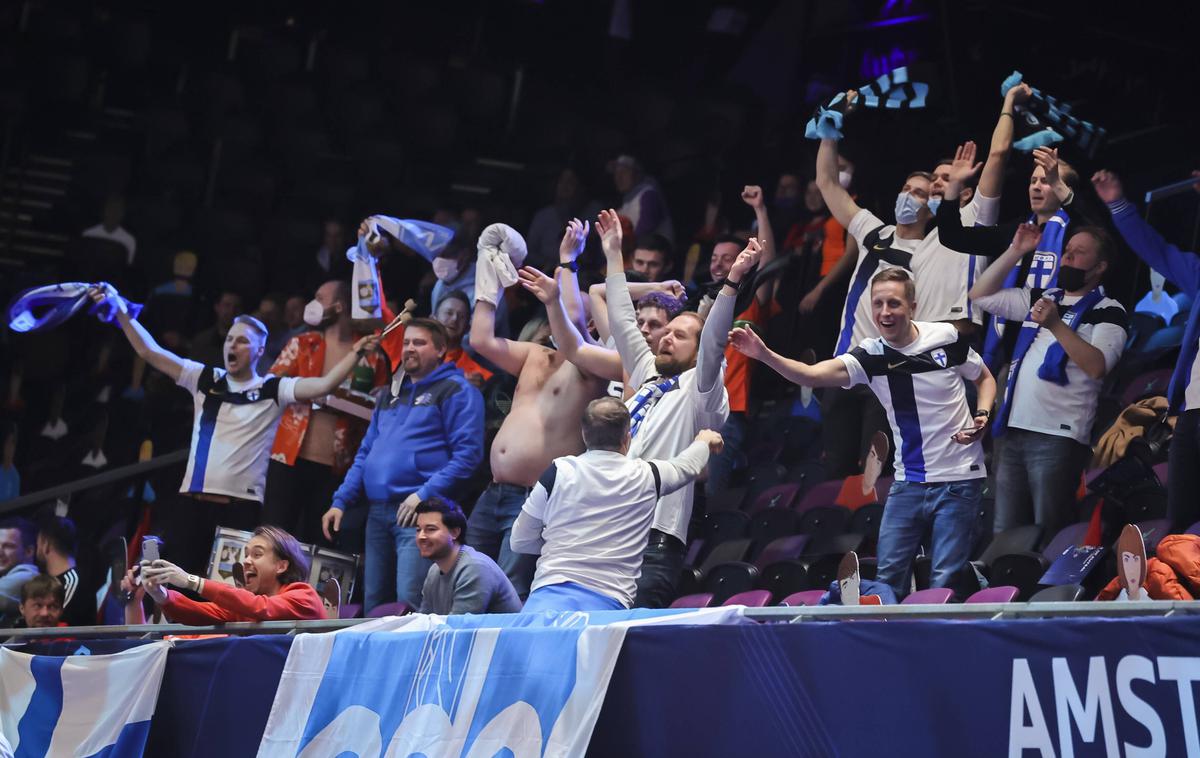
807, 597
821, 494
994, 595
779, 496
699, 600
1145, 385
781, 549
1153, 531
389, 609
1069, 535
1194, 529
350, 611
1160, 470
750, 599
931, 596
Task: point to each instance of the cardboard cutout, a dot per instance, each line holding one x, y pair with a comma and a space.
873, 466
848, 579
1131, 564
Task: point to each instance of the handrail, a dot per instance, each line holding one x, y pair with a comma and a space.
96, 480
786, 614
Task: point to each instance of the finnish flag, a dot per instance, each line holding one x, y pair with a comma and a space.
81, 705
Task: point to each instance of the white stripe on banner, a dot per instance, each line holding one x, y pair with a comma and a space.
82, 705
455, 686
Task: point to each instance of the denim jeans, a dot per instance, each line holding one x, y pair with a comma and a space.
1036, 478
569, 596
948, 511
732, 457
661, 564
1183, 471
392, 556
488, 529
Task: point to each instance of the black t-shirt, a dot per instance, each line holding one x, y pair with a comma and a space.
79, 608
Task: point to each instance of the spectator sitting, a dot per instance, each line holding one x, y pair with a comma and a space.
41, 604
18, 541
56, 546
110, 227
642, 201
461, 579
276, 571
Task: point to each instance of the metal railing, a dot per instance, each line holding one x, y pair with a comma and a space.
777, 614
134, 470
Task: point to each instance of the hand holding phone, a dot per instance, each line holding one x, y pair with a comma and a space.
967, 435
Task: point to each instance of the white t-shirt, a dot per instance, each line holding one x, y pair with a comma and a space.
1043, 406
233, 430
1191, 393
942, 276
596, 510
920, 386
118, 235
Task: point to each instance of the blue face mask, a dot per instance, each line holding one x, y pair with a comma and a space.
907, 208
933, 204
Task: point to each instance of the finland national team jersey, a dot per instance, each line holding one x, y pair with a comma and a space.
921, 387
233, 430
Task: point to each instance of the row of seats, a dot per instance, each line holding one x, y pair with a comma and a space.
934, 596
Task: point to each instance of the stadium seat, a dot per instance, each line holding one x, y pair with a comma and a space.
1061, 593
750, 599
1021, 570
866, 522
730, 551
868, 567
782, 549
932, 596
779, 496
698, 600
1153, 531
1002, 594
389, 609
771, 523
1019, 539
729, 579
807, 597
783, 578
350, 611
721, 526
823, 494
1193, 529
1069, 535
689, 580
834, 544
1147, 384
824, 521
1141, 326
730, 499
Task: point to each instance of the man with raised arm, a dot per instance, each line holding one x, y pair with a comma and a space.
542, 425
236, 415
679, 392
916, 370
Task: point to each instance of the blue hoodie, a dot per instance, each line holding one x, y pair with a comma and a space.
424, 440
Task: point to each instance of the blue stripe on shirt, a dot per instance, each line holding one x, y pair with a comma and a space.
904, 407
204, 437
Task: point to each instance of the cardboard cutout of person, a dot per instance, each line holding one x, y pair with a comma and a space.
1131, 564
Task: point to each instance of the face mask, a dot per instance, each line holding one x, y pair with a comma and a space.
933, 204
1071, 279
844, 178
907, 208
445, 269
314, 314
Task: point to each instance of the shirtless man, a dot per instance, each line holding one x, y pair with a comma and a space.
544, 424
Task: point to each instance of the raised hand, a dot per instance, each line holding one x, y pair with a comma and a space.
376, 243
748, 343
573, 240
752, 195
712, 439
673, 288
1044, 312
608, 226
367, 344
1020, 93
964, 166
1026, 238
544, 288
1047, 158
1108, 185
162, 572
746, 260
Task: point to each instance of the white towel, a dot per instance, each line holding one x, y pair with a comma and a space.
501, 251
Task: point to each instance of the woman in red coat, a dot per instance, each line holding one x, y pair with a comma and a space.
275, 569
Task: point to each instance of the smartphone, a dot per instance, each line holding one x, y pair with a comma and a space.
969, 432
149, 549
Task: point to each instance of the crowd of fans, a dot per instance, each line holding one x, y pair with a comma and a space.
540, 443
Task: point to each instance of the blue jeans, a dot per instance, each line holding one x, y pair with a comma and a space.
732, 457
1036, 478
569, 596
488, 529
947, 510
392, 556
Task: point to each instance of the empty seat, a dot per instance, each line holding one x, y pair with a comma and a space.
1062, 593
389, 609
778, 496
1068, 536
750, 599
782, 549
769, 524
720, 526
1002, 594
824, 521
866, 522
350, 611
1021, 570
834, 544
729, 579
1019, 539
807, 597
698, 600
932, 596
783, 578
730, 551
822, 494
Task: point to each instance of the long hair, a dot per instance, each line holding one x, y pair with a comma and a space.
287, 548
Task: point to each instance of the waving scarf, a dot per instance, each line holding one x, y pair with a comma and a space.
48, 306
1049, 116
892, 91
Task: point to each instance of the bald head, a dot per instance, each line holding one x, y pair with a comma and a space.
606, 425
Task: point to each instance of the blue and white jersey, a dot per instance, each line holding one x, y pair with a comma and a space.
944, 276
921, 387
233, 430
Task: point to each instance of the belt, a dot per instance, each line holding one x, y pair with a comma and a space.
659, 538
506, 486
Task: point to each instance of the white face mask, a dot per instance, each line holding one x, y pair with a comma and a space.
314, 313
445, 269
844, 178
908, 208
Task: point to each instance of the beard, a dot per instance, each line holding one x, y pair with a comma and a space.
670, 365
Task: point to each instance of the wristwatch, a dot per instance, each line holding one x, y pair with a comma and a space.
982, 412
573, 266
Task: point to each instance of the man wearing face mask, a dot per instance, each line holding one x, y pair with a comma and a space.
455, 271
1071, 336
236, 415
315, 445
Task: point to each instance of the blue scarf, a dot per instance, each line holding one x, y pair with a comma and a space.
646, 398
50, 305
1054, 365
1051, 242
1049, 116
893, 90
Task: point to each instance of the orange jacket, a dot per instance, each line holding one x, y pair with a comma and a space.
304, 356
295, 602
1161, 583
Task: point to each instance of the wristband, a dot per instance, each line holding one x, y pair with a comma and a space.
573, 266
982, 412
731, 283
1006, 113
